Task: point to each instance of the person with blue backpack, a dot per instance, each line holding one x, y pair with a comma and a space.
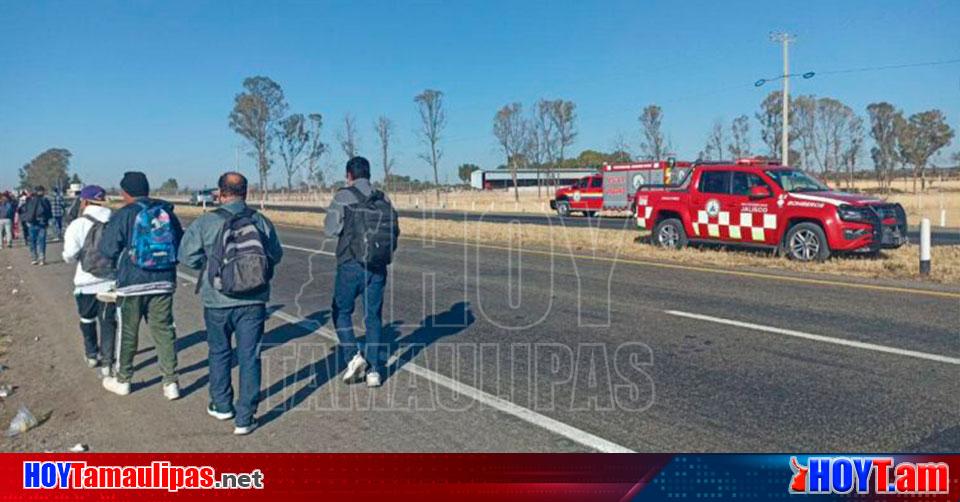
366, 227
142, 238
236, 249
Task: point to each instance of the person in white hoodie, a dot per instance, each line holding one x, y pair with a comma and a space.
87, 285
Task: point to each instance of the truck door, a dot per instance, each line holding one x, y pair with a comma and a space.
711, 208
753, 210
594, 199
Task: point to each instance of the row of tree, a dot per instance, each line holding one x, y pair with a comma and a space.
827, 136
539, 140
260, 116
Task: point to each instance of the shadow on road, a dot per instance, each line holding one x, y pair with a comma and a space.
433, 328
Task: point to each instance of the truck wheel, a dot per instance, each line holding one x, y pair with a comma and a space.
589, 214
563, 208
669, 233
806, 242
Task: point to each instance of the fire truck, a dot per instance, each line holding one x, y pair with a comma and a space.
759, 202
614, 186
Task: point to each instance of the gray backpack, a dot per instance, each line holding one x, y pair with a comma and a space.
238, 264
92, 261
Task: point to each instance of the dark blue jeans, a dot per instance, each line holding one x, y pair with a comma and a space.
354, 280
38, 241
245, 324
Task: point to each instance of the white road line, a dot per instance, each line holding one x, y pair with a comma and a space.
308, 250
572, 433
820, 338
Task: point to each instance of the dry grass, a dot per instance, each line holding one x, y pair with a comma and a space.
894, 264
943, 195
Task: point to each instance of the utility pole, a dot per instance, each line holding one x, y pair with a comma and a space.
784, 39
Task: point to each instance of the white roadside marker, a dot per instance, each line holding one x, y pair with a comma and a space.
820, 338
572, 433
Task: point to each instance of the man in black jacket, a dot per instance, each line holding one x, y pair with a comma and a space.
142, 292
36, 214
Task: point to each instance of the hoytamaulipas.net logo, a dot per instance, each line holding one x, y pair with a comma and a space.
159, 475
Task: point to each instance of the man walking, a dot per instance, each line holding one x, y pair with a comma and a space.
142, 239
36, 214
56, 207
94, 275
8, 212
231, 238
365, 224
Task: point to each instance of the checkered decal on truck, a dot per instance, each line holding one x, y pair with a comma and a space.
738, 227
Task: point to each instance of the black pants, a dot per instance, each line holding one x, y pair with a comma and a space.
93, 312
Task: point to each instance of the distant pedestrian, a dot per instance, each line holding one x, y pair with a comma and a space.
22, 226
142, 238
36, 213
8, 212
237, 249
56, 208
95, 275
366, 226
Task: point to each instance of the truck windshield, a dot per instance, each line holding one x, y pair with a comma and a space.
796, 181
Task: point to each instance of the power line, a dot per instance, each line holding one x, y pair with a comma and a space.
889, 67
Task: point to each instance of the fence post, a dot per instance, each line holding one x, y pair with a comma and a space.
925, 246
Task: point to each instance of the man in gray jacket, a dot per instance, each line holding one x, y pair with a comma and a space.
356, 279
240, 317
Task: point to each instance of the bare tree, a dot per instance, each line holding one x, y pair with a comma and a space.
714, 147
510, 128
653, 144
563, 115
349, 137
384, 128
883, 122
255, 112
921, 137
293, 137
544, 138
621, 148
739, 146
770, 118
433, 119
315, 149
804, 115
854, 145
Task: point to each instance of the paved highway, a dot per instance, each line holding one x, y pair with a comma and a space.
576, 353
938, 236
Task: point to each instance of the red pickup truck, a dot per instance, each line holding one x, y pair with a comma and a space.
758, 202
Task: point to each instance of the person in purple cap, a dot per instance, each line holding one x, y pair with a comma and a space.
95, 275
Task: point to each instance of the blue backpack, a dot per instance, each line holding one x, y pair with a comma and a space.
153, 245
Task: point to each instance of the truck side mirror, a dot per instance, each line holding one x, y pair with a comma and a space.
759, 192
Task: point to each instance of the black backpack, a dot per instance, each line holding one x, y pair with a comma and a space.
239, 264
92, 261
372, 227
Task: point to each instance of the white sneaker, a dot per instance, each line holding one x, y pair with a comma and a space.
373, 379
92, 362
355, 369
117, 387
171, 391
243, 431
219, 415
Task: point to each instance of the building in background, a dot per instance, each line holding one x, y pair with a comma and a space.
502, 178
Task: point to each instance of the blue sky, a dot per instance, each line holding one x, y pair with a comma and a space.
149, 85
